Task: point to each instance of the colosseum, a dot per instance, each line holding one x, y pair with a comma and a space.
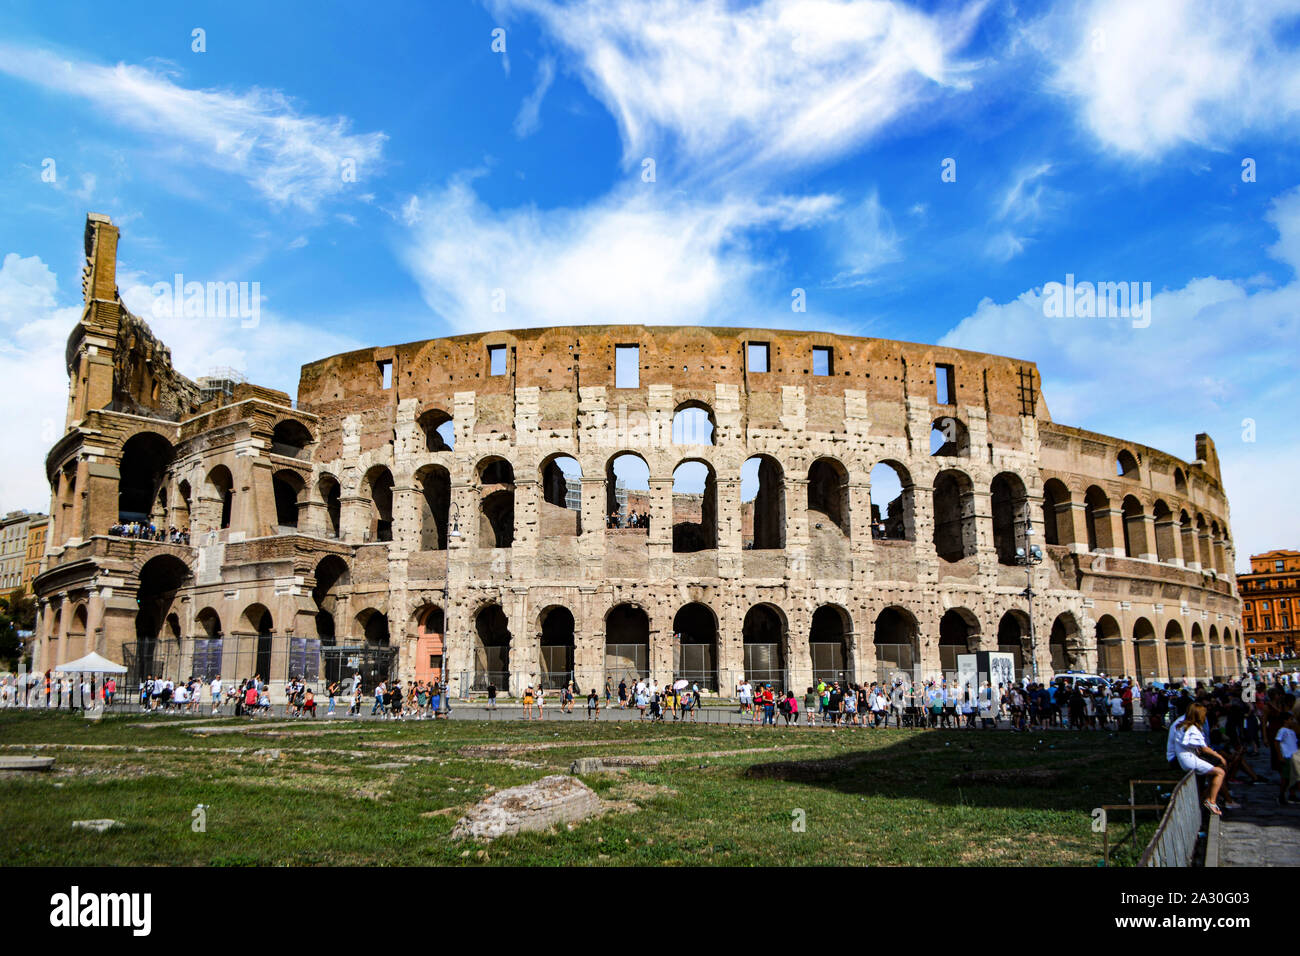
588, 503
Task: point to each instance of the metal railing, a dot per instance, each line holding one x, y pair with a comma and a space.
1132, 808
1174, 842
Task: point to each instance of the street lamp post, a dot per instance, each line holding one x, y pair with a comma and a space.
1027, 557
454, 532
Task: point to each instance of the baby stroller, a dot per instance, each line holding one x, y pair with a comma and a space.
914, 716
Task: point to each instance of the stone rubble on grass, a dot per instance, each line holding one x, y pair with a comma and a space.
557, 799
586, 765
26, 763
99, 826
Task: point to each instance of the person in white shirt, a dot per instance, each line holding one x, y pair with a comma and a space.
1195, 755
1288, 745
1171, 742
216, 694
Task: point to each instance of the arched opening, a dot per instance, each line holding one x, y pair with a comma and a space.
145, 460
1126, 465
497, 503
77, 628
828, 495
374, 628
1009, 502
1216, 547
695, 646
949, 438
762, 504
1180, 481
1110, 646
434, 484
208, 643
1201, 652
1188, 534
954, 516
1065, 644
958, 630
555, 654
693, 424
221, 487
892, 503
290, 438
491, 648
1096, 516
160, 580
430, 648
1135, 528
895, 640
331, 581
627, 492
181, 518
438, 429
1175, 651
332, 497
288, 486
1166, 532
1216, 654
259, 621
1203, 543
1057, 506
627, 644
828, 644
1013, 639
561, 507
379, 483
695, 508
1146, 651
763, 640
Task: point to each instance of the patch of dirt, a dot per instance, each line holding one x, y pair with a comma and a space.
493, 750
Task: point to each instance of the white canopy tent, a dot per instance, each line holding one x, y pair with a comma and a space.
91, 664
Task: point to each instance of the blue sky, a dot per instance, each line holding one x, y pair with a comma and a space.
796, 144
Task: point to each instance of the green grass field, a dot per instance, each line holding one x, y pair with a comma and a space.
376, 793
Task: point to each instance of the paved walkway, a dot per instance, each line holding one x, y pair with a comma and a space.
1261, 833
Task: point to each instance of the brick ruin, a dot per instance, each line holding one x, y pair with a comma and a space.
440, 508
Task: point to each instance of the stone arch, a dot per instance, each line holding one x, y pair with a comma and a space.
207, 645
1135, 528
1110, 646
78, 629
556, 630
430, 643
955, 535
828, 494
146, 458
1126, 465
695, 506
959, 631
291, 438
694, 423
560, 507
330, 493
627, 643
332, 577
766, 519
439, 430
1180, 481
1096, 517
897, 642
492, 640
627, 487
434, 485
830, 644
949, 438
373, 627
496, 477
1013, 639
258, 621
1146, 652
695, 645
1203, 543
379, 487
1010, 506
764, 640
1166, 532
893, 502
1175, 651
1065, 644
1188, 534
1200, 651
1058, 505
288, 488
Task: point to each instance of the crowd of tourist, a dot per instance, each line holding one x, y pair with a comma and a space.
148, 532
634, 519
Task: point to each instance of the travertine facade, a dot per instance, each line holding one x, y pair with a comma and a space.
361, 526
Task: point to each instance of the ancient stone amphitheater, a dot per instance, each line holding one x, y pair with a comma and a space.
808, 505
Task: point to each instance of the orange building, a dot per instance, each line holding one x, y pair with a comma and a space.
36, 532
1270, 596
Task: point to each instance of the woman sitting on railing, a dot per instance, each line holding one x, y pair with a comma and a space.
1193, 751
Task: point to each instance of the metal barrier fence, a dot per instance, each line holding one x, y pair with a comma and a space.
1174, 842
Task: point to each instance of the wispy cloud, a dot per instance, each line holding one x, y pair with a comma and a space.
291, 158
528, 120
1152, 75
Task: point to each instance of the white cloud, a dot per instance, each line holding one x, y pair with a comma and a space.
778, 84
290, 158
1217, 351
866, 243
636, 257
1151, 75
528, 120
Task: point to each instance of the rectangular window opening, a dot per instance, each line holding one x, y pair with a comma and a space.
627, 366
386, 373
945, 385
758, 356
496, 360
823, 360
